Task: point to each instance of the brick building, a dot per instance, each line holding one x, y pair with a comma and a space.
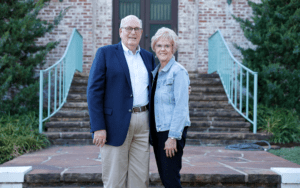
194, 21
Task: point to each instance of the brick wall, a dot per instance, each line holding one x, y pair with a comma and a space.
214, 15
93, 19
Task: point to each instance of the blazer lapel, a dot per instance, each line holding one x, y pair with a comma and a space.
120, 55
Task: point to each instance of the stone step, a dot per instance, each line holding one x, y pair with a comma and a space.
193, 76
220, 130
222, 139
206, 82
215, 97
193, 138
226, 136
71, 114
210, 105
207, 89
81, 74
199, 116
80, 81
76, 97
218, 126
69, 119
75, 106
211, 110
77, 89
209, 118
214, 114
198, 105
85, 114
200, 75
69, 138
233, 124
69, 126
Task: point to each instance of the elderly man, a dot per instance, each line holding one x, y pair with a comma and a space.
118, 97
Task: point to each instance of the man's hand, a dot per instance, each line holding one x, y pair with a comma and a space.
170, 147
99, 138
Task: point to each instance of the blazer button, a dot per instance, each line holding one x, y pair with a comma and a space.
129, 110
131, 95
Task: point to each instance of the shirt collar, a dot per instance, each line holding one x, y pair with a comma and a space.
129, 52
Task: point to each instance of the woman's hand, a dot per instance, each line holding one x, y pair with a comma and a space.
170, 147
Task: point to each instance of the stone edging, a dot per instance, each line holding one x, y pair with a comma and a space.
290, 177
13, 177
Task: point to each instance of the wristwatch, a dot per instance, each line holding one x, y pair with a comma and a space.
172, 138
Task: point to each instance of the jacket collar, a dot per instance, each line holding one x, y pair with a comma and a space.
165, 69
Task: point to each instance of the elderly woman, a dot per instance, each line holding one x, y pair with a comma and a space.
169, 108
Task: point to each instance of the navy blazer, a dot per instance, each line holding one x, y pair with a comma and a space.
109, 92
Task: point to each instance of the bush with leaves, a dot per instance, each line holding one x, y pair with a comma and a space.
284, 124
275, 31
19, 134
19, 53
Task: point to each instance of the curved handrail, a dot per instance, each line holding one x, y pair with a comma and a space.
246, 68
67, 66
221, 60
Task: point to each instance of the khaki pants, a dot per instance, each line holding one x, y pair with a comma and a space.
128, 165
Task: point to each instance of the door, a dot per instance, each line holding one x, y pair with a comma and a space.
154, 14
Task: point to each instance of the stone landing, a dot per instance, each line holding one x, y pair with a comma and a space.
79, 166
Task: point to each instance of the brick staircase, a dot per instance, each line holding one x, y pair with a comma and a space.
214, 121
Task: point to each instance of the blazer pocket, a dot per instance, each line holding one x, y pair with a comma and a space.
108, 111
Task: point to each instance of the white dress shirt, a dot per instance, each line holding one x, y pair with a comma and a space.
138, 76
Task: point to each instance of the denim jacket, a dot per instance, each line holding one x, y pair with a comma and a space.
171, 101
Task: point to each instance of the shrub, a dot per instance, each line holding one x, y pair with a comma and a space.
274, 30
19, 29
284, 124
19, 134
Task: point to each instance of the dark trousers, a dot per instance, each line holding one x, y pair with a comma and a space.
168, 168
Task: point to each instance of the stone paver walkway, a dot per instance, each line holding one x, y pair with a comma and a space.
201, 165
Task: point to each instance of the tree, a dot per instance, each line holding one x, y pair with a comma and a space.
19, 53
275, 30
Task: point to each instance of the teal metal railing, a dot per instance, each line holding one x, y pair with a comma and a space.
59, 77
232, 73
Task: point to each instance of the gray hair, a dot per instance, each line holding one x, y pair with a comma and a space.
165, 33
130, 17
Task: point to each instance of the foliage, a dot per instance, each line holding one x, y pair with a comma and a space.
291, 154
275, 31
20, 27
282, 123
19, 134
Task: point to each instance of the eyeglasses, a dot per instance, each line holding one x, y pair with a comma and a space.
161, 46
129, 29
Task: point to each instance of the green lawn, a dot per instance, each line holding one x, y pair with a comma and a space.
291, 154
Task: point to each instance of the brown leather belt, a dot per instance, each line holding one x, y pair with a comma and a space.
140, 109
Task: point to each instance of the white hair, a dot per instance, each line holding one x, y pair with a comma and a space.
130, 17
165, 33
